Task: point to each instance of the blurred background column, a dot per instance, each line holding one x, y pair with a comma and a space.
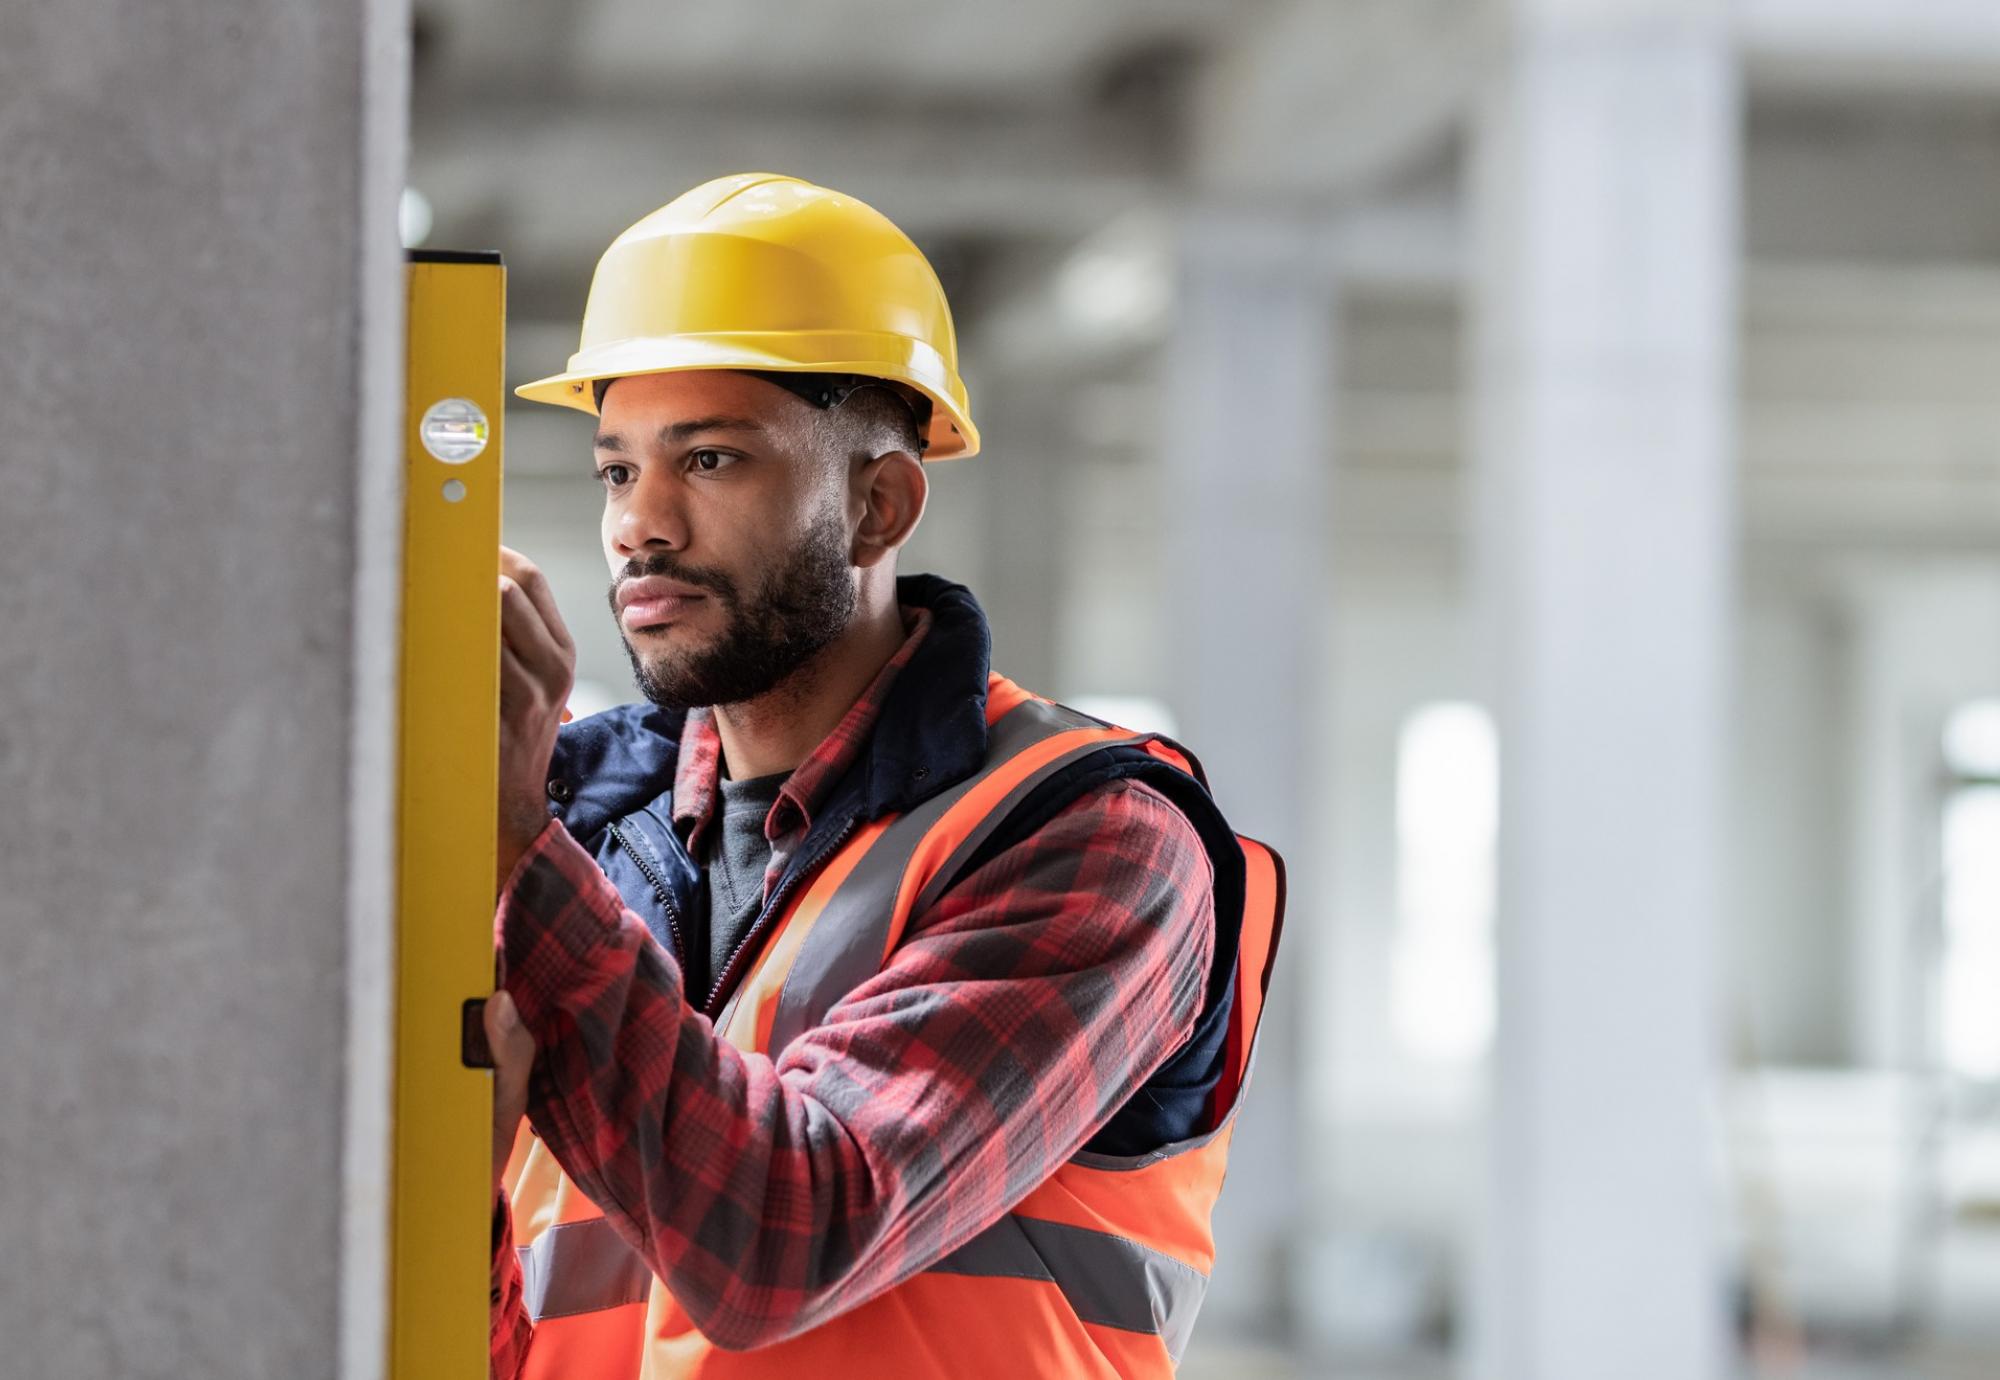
1605, 177
1247, 377
1017, 559
200, 291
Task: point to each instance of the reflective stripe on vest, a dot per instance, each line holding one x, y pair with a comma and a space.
1121, 1246
585, 1267
1106, 1279
581, 1267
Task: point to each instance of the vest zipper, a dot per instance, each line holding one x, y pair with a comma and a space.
710, 1008
659, 888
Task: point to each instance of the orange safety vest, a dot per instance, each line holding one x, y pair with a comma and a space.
1098, 1272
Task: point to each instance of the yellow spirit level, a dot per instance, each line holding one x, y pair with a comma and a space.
442, 1191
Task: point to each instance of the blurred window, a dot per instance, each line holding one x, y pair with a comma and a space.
1447, 827
1970, 971
1140, 713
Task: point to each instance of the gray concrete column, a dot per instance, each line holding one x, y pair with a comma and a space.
1248, 378
199, 291
1015, 491
1604, 297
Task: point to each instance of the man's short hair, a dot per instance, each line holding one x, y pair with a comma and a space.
877, 417
874, 420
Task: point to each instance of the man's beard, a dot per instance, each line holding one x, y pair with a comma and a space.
797, 611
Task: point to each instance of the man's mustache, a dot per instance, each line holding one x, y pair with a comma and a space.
666, 566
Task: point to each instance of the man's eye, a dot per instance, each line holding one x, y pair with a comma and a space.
711, 460
615, 476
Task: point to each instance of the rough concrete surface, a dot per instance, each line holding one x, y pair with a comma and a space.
180, 393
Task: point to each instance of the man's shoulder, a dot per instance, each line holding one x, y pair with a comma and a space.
1140, 806
1118, 800
614, 762
1137, 816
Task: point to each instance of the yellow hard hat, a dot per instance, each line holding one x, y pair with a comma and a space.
768, 273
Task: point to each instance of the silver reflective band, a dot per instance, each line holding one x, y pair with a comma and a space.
1106, 1280
581, 1267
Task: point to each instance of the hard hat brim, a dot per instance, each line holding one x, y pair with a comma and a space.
873, 355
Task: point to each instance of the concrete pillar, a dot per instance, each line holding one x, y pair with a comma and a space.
1248, 378
199, 290
1605, 191
1015, 490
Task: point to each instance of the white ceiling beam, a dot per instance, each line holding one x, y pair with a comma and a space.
563, 179
1327, 101
1860, 45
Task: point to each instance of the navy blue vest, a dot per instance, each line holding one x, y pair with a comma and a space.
611, 784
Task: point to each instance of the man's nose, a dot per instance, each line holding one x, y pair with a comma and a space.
653, 516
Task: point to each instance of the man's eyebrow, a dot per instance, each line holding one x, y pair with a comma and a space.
676, 432
695, 426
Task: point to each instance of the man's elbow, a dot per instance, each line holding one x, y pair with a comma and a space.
731, 1329
747, 1317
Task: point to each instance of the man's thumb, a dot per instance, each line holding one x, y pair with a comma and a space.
501, 1016
512, 1046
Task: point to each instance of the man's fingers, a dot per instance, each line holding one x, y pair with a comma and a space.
519, 686
513, 1047
535, 585
524, 630
513, 1054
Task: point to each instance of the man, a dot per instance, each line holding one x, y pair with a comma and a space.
871, 1015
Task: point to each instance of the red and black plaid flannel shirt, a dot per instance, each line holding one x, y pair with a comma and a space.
771, 1194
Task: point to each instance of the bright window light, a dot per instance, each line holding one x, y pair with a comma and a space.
1972, 739
1970, 975
413, 217
1447, 832
1140, 713
1119, 284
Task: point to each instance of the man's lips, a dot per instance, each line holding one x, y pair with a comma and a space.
652, 600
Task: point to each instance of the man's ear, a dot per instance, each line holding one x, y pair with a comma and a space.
890, 492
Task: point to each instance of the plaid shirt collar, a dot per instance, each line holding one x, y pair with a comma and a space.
698, 774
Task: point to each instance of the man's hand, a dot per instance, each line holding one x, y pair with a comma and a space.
513, 1050
537, 669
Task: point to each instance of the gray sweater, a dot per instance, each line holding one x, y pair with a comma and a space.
732, 890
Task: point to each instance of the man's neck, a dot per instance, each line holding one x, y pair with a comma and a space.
778, 730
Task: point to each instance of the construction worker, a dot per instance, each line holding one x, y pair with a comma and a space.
871, 1015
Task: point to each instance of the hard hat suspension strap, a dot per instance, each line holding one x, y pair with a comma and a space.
828, 391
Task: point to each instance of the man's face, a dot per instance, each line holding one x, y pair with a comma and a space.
726, 532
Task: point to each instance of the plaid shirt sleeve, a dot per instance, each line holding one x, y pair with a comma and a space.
510, 1331
770, 1195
